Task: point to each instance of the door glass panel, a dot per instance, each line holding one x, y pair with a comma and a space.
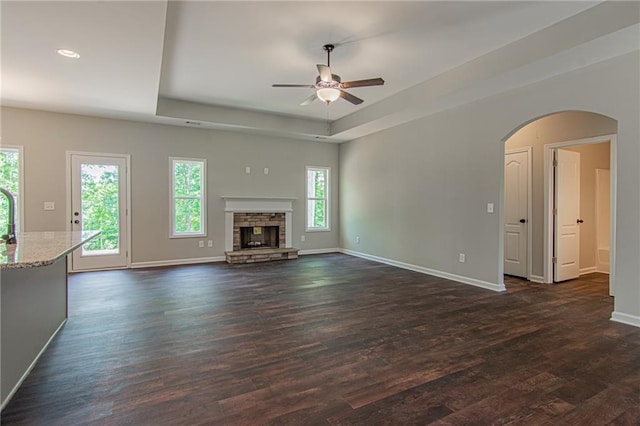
9, 180
100, 197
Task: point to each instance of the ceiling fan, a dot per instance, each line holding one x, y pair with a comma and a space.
329, 87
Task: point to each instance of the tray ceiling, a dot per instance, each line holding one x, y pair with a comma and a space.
170, 61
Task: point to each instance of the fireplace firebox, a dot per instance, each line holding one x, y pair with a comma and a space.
252, 237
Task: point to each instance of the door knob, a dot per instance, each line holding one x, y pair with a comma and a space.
523, 220
580, 221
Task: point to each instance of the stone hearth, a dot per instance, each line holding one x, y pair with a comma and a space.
261, 255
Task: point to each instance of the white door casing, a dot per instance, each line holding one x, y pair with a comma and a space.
92, 256
516, 212
567, 217
603, 219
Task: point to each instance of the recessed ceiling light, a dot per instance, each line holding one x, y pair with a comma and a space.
68, 53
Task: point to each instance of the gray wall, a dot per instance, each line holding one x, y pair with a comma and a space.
561, 127
47, 136
418, 193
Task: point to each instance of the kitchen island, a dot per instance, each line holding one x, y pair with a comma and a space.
33, 280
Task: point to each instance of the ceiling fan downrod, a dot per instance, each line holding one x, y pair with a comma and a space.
328, 48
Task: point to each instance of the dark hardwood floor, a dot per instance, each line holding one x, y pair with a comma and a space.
331, 339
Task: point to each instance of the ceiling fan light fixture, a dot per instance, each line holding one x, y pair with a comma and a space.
328, 94
68, 53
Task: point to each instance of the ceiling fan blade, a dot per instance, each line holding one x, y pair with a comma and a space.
310, 99
363, 83
325, 73
349, 97
293, 85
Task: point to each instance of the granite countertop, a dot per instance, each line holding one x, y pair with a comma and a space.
42, 248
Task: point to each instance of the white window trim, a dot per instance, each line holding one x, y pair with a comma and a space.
203, 198
20, 149
326, 199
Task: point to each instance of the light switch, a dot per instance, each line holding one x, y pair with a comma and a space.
247, 170
490, 208
49, 205
266, 170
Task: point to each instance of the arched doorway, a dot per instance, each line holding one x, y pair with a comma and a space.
538, 141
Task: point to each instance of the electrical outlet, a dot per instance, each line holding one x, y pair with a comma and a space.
247, 170
201, 244
266, 170
462, 258
357, 240
210, 243
490, 208
302, 238
49, 205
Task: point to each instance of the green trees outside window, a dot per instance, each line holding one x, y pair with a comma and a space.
9, 180
188, 197
317, 198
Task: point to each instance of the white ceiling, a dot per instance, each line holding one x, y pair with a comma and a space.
228, 54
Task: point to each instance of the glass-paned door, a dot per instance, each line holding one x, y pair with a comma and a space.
99, 203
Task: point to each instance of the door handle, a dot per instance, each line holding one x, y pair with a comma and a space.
523, 220
580, 221
76, 221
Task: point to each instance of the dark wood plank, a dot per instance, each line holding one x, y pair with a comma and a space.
331, 340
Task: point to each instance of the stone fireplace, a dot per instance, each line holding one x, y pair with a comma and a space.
258, 229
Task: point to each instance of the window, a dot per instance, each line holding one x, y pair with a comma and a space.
318, 198
188, 197
11, 180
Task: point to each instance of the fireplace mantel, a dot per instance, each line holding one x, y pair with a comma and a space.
244, 204
258, 204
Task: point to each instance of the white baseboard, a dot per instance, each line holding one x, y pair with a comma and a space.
31, 366
589, 270
176, 262
633, 320
458, 278
318, 251
115, 268
536, 279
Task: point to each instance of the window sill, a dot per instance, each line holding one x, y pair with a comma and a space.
318, 230
172, 237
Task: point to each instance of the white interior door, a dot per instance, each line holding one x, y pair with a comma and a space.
567, 218
99, 202
516, 207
